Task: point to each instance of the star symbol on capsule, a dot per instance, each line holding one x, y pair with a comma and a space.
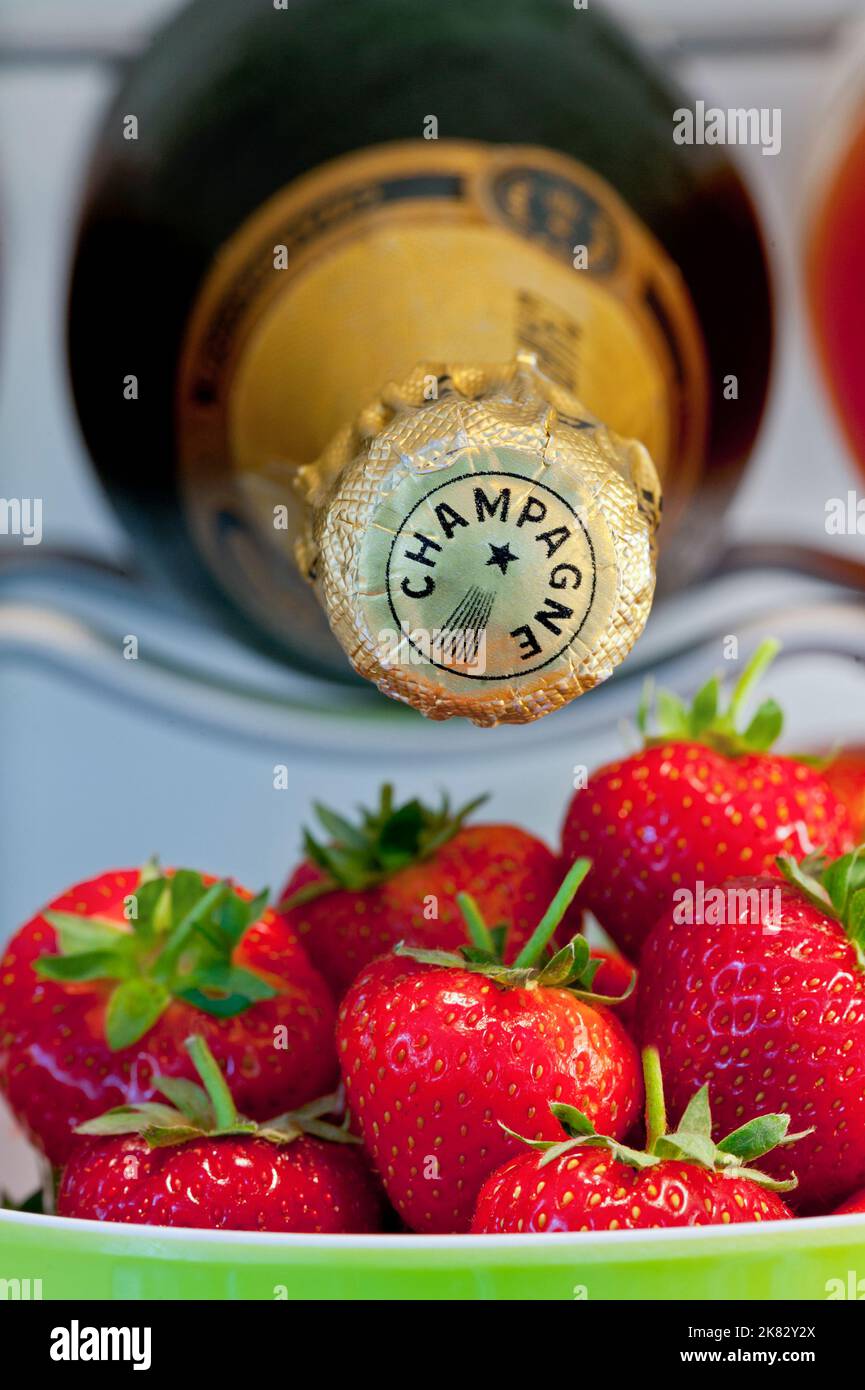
502, 556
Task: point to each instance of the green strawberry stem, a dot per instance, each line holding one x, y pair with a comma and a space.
178, 943
836, 888
656, 1110
706, 721
191, 1112
213, 1081
753, 673
356, 857
571, 967
691, 1142
478, 930
179, 939
531, 952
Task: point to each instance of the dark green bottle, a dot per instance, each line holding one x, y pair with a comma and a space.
290, 205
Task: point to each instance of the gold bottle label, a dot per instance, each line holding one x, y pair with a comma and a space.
419, 251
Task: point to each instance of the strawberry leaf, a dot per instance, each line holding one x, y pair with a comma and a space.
130, 1119
132, 1010
208, 1111
836, 882
86, 965
572, 1120
756, 1138
149, 911
400, 835
177, 942
837, 889
76, 933
705, 706
186, 888
765, 728
389, 838
706, 721
191, 1100
561, 968
691, 1142
673, 714
697, 1117
225, 978
571, 967
499, 935
483, 942
693, 1148
341, 830
856, 920
166, 1136
217, 1005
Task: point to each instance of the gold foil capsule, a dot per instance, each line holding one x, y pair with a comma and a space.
482, 545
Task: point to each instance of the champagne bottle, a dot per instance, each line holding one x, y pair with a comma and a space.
318, 231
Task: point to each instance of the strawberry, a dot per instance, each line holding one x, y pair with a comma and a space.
196, 1162
701, 800
679, 1179
98, 991
856, 1203
395, 877
765, 998
432, 1044
616, 978
845, 774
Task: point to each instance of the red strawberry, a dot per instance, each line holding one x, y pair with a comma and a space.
700, 801
846, 776
856, 1203
435, 1047
616, 978
764, 996
196, 1162
680, 1179
395, 877
87, 1028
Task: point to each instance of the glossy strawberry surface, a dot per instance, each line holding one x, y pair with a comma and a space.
769, 1008
238, 1183
846, 776
615, 977
510, 873
853, 1205
677, 813
57, 1070
433, 1059
592, 1191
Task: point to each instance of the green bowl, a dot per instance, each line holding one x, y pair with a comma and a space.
816, 1258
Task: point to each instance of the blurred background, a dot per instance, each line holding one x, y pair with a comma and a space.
105, 761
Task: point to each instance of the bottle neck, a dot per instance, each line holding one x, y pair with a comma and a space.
419, 251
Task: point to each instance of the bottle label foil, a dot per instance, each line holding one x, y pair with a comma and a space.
488, 552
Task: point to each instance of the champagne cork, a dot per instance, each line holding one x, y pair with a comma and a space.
482, 545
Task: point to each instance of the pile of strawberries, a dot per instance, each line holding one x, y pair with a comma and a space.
419, 1036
